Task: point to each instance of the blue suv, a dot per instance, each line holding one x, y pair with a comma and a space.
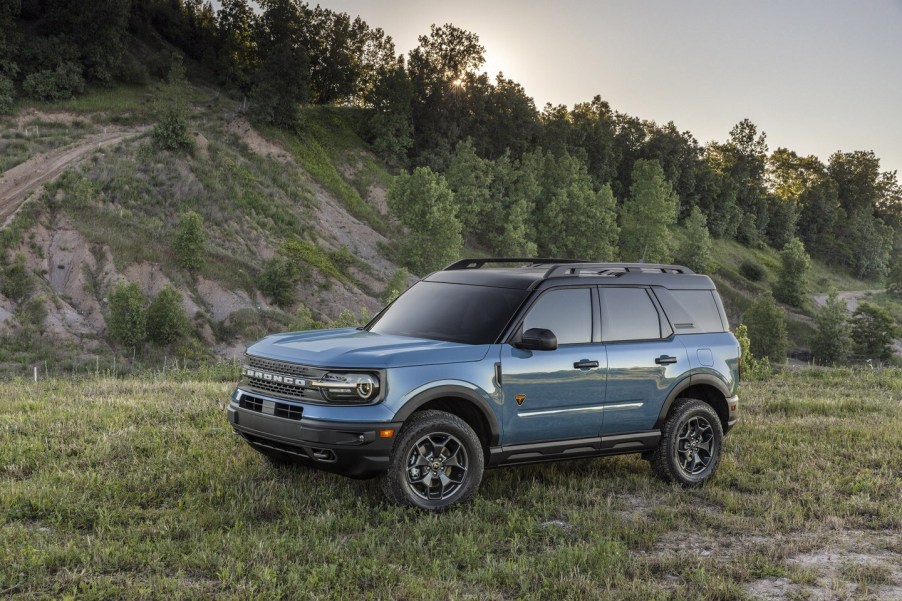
495, 362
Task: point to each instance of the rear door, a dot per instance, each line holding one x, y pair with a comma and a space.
645, 359
556, 395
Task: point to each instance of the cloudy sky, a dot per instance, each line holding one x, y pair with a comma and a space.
816, 75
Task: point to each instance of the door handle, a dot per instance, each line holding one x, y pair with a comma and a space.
665, 360
585, 364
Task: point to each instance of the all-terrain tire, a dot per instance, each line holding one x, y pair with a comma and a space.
691, 444
437, 462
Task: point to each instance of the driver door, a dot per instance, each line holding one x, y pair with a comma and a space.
559, 394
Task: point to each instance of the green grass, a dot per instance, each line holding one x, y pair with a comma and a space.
136, 488
323, 144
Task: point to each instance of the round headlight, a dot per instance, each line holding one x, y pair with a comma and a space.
366, 387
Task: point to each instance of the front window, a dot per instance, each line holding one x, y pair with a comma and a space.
450, 312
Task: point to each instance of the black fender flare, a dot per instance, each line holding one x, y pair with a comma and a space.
682, 385
451, 391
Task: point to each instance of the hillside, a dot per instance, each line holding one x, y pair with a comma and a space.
112, 201
110, 217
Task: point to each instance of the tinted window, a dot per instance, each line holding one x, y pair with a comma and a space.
700, 304
628, 314
567, 313
450, 312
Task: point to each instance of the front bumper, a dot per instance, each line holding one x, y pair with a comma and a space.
352, 449
733, 408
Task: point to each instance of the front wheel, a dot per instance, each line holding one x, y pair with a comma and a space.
437, 462
691, 444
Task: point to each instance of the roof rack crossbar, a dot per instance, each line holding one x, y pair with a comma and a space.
614, 269
481, 262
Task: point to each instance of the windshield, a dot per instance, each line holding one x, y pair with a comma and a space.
450, 312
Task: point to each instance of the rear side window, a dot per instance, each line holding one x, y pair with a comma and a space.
566, 312
628, 314
691, 311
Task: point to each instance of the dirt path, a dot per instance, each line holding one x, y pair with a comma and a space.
17, 183
851, 297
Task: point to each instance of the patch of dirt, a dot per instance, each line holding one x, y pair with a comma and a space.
375, 195
222, 302
340, 228
17, 184
242, 129
201, 145
832, 567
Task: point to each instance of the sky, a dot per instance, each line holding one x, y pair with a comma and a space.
816, 75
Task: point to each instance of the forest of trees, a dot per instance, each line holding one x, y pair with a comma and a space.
601, 184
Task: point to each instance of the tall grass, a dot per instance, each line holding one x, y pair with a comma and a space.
135, 488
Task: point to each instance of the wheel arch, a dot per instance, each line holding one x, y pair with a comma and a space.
462, 402
705, 388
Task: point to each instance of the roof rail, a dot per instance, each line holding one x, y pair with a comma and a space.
614, 269
479, 263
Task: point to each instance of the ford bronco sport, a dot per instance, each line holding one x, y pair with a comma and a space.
495, 362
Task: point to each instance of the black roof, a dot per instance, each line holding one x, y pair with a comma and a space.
526, 273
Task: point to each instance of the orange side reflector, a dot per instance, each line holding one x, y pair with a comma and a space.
386, 433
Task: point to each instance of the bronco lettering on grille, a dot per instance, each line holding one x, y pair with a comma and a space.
262, 375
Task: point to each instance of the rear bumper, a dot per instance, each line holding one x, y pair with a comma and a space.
352, 449
733, 407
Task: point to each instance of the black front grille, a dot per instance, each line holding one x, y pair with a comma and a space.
284, 368
281, 389
285, 410
274, 374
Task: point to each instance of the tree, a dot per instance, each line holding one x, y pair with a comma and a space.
868, 244
767, 328
278, 280
792, 283
873, 331
190, 241
282, 79
647, 215
833, 341
470, 178
171, 131
515, 190
696, 251
166, 319
390, 127
16, 283
127, 321
574, 221
424, 203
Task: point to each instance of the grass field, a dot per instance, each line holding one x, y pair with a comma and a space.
135, 488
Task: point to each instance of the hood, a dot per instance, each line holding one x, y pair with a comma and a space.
353, 348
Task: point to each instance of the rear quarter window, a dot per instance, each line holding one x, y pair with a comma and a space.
691, 311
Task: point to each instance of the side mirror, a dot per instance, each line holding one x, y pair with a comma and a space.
537, 339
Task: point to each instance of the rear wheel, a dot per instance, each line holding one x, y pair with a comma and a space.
437, 462
691, 444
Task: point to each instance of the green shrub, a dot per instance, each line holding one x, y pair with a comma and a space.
792, 285
766, 328
190, 241
7, 95
17, 282
752, 367
833, 342
60, 84
127, 321
278, 280
166, 319
171, 131
873, 331
396, 285
751, 271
